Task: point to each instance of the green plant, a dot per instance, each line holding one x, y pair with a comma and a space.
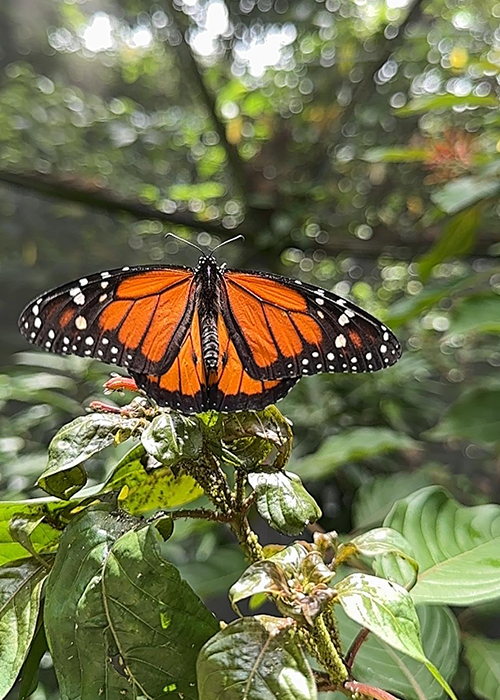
85, 572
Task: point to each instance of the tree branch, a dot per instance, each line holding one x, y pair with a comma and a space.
190, 63
72, 190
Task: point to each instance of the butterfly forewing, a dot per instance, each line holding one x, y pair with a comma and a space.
131, 317
284, 328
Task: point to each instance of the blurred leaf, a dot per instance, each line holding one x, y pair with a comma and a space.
171, 437
395, 154
464, 191
272, 667
483, 658
146, 599
379, 664
474, 416
74, 444
144, 489
203, 191
457, 548
351, 445
76, 573
216, 574
283, 502
387, 610
458, 238
476, 314
409, 307
374, 499
20, 588
426, 103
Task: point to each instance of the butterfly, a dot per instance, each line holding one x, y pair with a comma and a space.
209, 338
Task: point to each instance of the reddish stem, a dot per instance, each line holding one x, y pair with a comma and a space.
355, 647
369, 690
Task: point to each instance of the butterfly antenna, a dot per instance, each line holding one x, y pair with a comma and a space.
184, 240
230, 240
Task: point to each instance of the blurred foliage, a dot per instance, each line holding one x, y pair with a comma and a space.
356, 144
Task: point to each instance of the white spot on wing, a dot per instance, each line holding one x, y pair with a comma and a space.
104, 285
343, 320
35, 310
330, 356
84, 281
89, 341
38, 322
340, 341
51, 334
383, 349
80, 299
319, 301
81, 323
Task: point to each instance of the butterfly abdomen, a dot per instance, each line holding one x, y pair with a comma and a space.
209, 344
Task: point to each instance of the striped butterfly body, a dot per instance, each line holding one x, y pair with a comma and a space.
209, 338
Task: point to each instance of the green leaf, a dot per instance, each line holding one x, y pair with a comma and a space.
458, 238
457, 548
353, 445
374, 499
423, 104
387, 610
283, 501
45, 514
144, 489
483, 658
395, 154
379, 543
463, 192
255, 659
74, 444
379, 664
474, 416
171, 437
78, 564
252, 436
150, 609
479, 313
262, 577
28, 677
20, 589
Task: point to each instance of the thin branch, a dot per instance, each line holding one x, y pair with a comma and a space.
72, 190
355, 647
187, 58
197, 514
388, 48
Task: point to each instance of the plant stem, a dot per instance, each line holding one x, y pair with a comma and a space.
333, 628
247, 538
355, 647
322, 646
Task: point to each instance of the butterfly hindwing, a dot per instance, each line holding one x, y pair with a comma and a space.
187, 388
131, 317
285, 328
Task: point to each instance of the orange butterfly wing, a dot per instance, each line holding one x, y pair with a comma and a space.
186, 387
132, 317
284, 328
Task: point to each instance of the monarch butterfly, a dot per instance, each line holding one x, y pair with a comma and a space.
209, 338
